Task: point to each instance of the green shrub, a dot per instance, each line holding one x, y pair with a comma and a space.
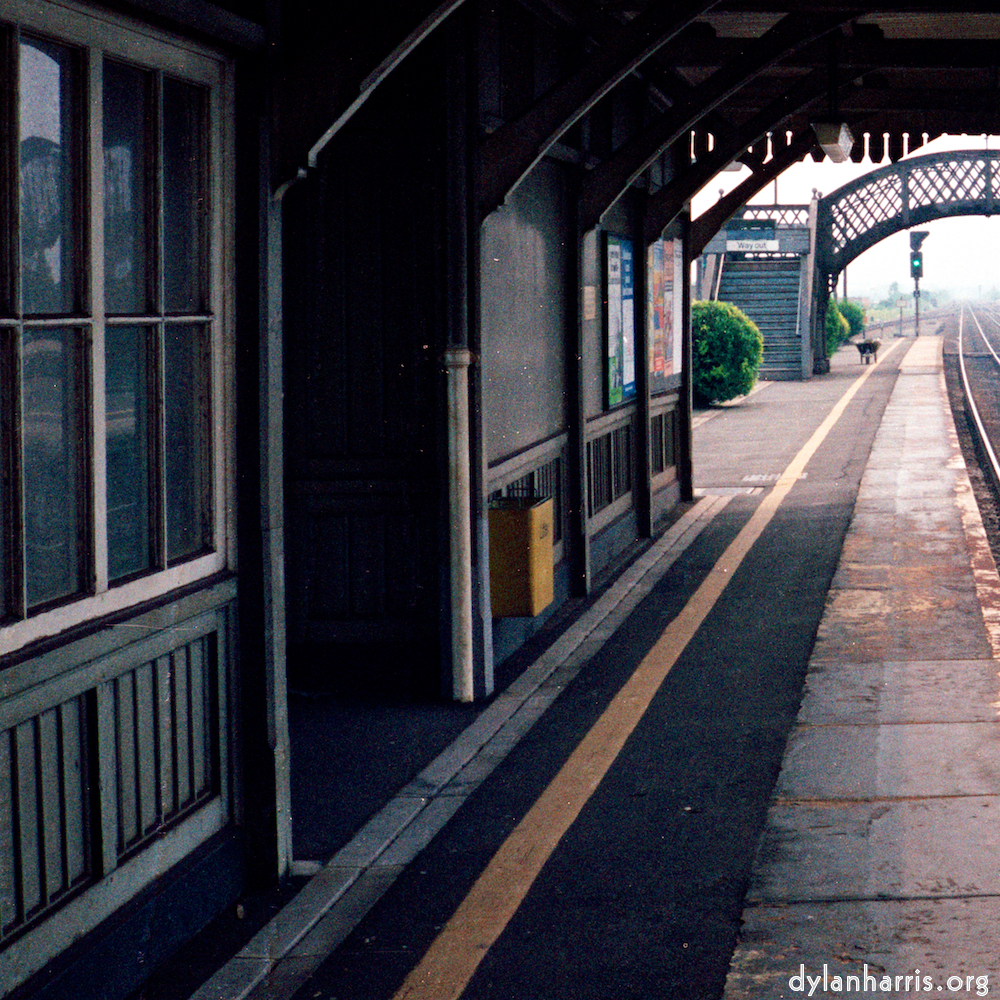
855, 316
727, 348
837, 328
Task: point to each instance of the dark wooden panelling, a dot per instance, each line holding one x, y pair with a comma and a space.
362, 311
488, 45
360, 558
365, 326
321, 580
156, 744
517, 58
45, 844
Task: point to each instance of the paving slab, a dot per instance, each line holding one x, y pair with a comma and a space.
940, 938
879, 624
895, 692
903, 849
879, 853
891, 760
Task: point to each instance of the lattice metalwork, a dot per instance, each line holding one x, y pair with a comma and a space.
783, 215
948, 183
860, 211
905, 194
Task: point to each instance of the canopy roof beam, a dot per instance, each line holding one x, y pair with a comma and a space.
507, 155
669, 201
336, 88
606, 183
783, 156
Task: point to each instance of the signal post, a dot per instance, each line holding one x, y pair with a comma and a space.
917, 238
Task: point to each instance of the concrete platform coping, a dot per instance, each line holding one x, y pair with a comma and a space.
878, 858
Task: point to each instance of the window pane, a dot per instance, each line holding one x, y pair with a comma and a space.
187, 439
126, 189
183, 197
48, 164
126, 354
53, 432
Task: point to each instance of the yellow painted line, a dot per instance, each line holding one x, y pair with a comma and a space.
455, 954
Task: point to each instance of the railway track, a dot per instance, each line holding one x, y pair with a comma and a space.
978, 352
972, 372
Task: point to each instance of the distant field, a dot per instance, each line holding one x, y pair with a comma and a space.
884, 315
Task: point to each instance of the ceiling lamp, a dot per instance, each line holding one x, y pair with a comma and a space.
833, 134
835, 138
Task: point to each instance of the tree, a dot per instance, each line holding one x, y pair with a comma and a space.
837, 327
889, 302
727, 348
854, 314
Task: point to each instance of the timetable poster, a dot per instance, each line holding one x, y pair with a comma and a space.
659, 309
621, 320
677, 308
664, 311
614, 313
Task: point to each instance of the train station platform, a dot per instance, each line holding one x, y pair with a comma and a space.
877, 870
767, 750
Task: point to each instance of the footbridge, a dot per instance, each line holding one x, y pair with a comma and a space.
845, 224
855, 217
908, 193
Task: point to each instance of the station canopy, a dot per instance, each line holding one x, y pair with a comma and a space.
760, 83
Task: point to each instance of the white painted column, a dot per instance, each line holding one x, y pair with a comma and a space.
272, 521
457, 360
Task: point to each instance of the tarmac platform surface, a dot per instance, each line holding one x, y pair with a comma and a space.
653, 809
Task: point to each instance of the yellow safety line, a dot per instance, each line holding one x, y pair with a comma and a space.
455, 954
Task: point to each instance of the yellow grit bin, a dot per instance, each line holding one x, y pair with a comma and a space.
520, 556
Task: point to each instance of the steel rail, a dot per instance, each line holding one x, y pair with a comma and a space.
978, 428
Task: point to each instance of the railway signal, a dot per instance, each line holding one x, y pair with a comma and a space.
917, 237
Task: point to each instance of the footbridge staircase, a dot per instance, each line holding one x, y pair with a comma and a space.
763, 264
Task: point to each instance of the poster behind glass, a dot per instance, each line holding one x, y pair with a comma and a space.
620, 320
664, 277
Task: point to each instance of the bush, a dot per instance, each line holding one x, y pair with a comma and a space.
855, 316
727, 348
837, 328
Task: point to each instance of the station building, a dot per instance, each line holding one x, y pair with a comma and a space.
291, 295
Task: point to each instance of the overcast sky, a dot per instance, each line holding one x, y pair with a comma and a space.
961, 255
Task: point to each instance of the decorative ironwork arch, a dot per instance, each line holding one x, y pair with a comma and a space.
908, 193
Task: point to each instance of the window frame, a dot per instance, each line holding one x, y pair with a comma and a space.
99, 35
